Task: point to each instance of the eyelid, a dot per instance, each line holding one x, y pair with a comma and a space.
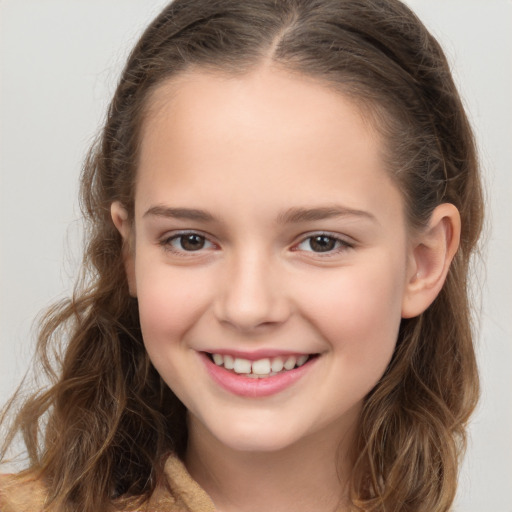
165, 242
345, 243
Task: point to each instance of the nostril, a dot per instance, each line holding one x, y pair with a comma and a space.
249, 297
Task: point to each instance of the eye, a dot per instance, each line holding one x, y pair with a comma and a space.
187, 242
322, 243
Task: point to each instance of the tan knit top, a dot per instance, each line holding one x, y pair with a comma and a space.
180, 493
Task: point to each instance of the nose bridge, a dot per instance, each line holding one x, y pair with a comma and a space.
252, 294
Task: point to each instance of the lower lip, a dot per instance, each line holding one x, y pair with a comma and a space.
255, 388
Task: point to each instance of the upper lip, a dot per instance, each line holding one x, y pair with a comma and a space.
255, 355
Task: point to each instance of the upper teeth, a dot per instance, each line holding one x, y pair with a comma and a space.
261, 367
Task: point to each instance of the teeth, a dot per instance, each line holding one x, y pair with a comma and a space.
290, 363
242, 366
229, 362
262, 367
301, 360
277, 364
218, 359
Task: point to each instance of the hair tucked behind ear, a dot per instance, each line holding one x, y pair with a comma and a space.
100, 431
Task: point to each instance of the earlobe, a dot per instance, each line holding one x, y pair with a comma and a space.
122, 223
429, 260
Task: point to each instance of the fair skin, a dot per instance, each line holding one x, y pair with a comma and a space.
266, 227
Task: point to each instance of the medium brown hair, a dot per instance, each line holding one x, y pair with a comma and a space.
99, 433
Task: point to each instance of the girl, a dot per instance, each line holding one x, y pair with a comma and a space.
282, 207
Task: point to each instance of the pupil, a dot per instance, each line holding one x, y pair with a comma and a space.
192, 242
322, 243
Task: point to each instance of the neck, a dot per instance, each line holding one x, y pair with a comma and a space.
311, 474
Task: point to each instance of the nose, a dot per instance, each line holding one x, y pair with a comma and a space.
251, 296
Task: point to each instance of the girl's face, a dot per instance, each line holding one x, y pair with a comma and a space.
266, 233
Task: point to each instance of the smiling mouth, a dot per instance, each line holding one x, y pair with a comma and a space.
261, 368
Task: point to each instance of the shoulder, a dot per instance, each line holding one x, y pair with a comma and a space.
21, 494
178, 492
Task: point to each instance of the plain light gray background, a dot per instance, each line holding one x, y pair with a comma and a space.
59, 62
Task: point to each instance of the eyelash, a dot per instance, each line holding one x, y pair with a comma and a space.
166, 243
340, 244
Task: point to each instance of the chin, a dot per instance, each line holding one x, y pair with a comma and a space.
250, 436
258, 442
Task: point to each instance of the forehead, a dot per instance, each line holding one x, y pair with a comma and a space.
269, 131
273, 90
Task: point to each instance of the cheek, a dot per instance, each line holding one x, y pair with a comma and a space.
359, 317
170, 301
358, 310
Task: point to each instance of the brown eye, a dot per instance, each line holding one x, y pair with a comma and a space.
322, 243
191, 242
184, 244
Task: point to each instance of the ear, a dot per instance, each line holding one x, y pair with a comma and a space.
124, 226
430, 256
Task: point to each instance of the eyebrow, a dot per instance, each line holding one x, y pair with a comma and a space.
296, 215
179, 213
290, 216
